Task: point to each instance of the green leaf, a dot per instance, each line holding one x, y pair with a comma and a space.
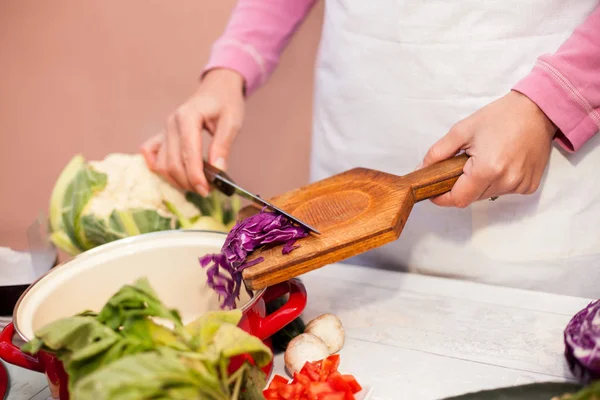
122, 353
163, 336
150, 221
33, 346
202, 203
78, 193
140, 376
63, 242
183, 221
98, 232
58, 192
222, 209
590, 392
254, 384
138, 300
205, 327
124, 221
533, 391
152, 375
80, 343
73, 334
121, 224
217, 213
208, 224
231, 341
137, 336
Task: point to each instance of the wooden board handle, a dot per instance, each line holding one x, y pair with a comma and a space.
436, 179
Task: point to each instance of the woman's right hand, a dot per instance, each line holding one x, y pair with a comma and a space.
176, 153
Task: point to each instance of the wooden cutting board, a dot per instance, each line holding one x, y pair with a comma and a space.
355, 211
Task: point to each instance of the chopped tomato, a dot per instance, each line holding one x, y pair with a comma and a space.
301, 379
354, 386
290, 392
271, 394
316, 389
317, 364
329, 365
332, 396
277, 382
311, 371
338, 383
319, 380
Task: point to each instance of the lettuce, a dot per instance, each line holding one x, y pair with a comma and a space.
126, 351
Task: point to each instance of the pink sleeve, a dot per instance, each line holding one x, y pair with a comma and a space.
566, 85
255, 37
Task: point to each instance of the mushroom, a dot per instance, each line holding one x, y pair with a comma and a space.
305, 347
329, 328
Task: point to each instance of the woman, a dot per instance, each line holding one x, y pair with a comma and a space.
392, 77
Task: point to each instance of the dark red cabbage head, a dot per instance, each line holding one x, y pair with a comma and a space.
224, 270
582, 343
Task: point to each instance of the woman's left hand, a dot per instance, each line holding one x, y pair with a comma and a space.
508, 142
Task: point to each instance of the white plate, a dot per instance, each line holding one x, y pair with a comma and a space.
364, 394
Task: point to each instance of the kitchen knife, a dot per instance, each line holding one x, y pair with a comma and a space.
225, 185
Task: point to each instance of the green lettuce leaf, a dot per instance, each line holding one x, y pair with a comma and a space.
123, 353
231, 341
203, 330
146, 376
79, 342
254, 384
72, 334
134, 301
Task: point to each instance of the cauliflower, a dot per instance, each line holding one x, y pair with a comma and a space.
100, 201
132, 185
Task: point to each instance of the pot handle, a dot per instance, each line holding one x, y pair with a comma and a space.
13, 355
291, 310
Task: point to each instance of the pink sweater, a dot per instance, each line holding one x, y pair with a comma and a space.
565, 85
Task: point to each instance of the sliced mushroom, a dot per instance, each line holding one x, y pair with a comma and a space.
329, 328
304, 347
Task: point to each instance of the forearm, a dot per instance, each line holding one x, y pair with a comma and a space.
566, 85
255, 37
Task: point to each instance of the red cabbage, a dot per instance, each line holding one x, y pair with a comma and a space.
224, 270
582, 343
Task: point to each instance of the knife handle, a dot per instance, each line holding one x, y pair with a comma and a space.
215, 177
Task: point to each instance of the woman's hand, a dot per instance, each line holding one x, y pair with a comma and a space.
176, 153
508, 142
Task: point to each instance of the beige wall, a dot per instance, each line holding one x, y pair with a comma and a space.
99, 76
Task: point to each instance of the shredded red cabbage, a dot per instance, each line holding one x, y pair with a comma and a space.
224, 270
582, 343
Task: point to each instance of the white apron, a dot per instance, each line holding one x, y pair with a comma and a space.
394, 75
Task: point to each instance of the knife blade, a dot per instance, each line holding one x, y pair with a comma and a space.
227, 186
